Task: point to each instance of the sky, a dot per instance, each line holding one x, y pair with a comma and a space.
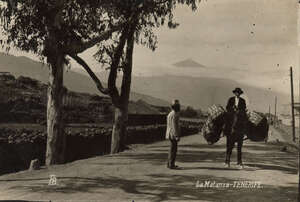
249, 41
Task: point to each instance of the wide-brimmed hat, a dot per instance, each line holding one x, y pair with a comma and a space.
238, 90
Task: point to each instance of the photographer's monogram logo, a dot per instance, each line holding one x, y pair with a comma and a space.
52, 180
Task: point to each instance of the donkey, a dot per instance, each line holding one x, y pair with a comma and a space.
234, 131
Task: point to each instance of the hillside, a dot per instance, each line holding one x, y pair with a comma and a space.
23, 66
141, 107
199, 92
24, 100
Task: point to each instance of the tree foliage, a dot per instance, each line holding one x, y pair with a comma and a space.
78, 24
26, 23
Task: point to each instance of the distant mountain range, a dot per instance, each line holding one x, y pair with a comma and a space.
72, 80
202, 92
199, 92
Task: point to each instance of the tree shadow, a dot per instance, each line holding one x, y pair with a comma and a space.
203, 146
288, 170
177, 185
22, 201
161, 187
247, 145
209, 168
21, 180
268, 161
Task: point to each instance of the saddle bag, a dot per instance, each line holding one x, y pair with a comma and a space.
216, 111
257, 127
213, 126
254, 117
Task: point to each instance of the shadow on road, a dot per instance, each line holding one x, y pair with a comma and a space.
179, 184
168, 187
254, 156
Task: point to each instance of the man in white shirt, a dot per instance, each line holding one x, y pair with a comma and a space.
173, 133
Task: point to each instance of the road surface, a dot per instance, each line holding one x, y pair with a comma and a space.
140, 174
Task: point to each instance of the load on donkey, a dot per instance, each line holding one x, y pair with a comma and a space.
235, 123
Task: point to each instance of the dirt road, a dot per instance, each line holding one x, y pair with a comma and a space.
140, 174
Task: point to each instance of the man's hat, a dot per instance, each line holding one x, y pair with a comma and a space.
238, 90
175, 102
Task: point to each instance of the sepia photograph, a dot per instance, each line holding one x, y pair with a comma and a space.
149, 100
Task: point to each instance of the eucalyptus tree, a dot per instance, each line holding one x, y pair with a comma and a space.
116, 53
53, 29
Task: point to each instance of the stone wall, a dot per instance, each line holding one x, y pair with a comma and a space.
19, 146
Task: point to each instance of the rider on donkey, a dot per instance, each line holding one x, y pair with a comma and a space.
235, 126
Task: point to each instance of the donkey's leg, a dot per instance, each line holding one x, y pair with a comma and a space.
239, 150
229, 147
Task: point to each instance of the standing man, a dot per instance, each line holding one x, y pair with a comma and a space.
235, 126
173, 133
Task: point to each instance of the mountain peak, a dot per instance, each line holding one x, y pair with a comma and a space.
188, 63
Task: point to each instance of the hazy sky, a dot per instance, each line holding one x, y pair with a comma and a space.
250, 41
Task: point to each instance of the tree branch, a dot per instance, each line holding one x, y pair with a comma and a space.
91, 73
79, 47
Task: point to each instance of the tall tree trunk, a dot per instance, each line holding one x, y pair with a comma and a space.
123, 135
52, 49
55, 135
119, 134
119, 130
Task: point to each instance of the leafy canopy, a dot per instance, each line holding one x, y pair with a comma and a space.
148, 15
26, 23
79, 21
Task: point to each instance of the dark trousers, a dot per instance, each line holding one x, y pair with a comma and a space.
230, 141
172, 153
